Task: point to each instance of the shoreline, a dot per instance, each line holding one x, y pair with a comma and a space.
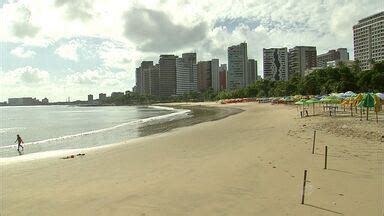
199, 114
251, 163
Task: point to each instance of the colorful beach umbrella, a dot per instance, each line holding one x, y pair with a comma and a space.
330, 99
380, 95
301, 102
367, 101
349, 94
313, 101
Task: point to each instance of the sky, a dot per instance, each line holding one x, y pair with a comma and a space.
71, 48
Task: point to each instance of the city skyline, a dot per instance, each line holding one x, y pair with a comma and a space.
75, 48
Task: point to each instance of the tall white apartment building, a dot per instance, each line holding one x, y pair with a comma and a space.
368, 40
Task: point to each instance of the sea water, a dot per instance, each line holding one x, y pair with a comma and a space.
50, 128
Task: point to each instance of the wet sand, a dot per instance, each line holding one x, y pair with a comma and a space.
251, 163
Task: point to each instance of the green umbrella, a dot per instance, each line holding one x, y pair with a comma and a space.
312, 101
301, 102
330, 99
367, 101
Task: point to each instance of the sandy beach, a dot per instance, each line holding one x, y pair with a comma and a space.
251, 163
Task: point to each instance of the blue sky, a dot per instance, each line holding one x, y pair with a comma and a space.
70, 48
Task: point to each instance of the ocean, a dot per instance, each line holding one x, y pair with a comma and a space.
50, 128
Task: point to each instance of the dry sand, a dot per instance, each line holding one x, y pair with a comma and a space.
251, 163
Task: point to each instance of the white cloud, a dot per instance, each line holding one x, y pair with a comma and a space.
21, 52
117, 55
24, 76
97, 77
69, 50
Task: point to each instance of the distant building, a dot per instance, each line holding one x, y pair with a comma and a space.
134, 89
154, 80
204, 75
138, 88
336, 63
167, 75
90, 98
117, 94
145, 76
186, 74
215, 75
45, 101
251, 71
102, 96
223, 77
24, 101
301, 58
275, 63
341, 54
237, 66
368, 40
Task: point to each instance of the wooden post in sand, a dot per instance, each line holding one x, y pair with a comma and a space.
361, 114
326, 156
314, 140
305, 181
377, 118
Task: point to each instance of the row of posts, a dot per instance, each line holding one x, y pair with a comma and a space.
305, 171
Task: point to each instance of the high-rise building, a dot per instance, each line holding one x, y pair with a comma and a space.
90, 98
275, 63
102, 96
154, 80
341, 54
145, 73
301, 58
251, 71
368, 40
24, 101
45, 101
137, 88
142, 77
237, 66
167, 75
189, 58
215, 75
186, 74
204, 75
223, 77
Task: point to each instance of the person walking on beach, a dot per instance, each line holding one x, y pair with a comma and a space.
19, 141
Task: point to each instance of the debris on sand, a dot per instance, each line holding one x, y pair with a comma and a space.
72, 156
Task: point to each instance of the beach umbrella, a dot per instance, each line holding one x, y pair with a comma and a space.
380, 95
330, 99
378, 104
350, 94
313, 101
367, 101
301, 102
348, 101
